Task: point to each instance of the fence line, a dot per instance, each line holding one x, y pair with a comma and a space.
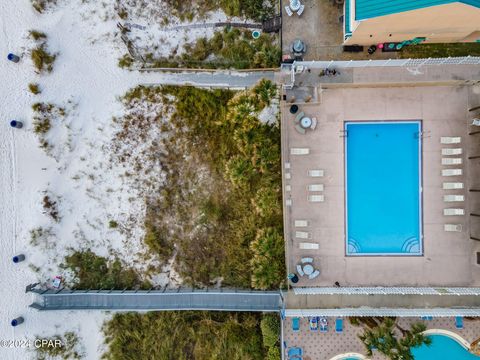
379, 290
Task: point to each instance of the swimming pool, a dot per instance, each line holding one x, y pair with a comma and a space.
383, 188
443, 348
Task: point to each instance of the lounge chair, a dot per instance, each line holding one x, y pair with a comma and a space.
314, 123
316, 173
300, 270
288, 176
299, 151
300, 11
314, 274
300, 129
316, 198
453, 198
288, 10
308, 246
299, 117
315, 187
288, 202
452, 172
450, 152
453, 212
459, 322
294, 352
306, 260
452, 227
338, 325
323, 324
427, 318
287, 165
301, 223
288, 188
303, 235
451, 140
451, 161
295, 324
452, 185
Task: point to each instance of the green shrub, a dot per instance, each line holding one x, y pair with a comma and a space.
125, 61
270, 326
37, 35
95, 272
112, 224
34, 88
67, 351
183, 335
42, 59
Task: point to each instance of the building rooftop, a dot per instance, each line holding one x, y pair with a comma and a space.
366, 9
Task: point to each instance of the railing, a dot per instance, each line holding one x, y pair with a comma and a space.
378, 290
399, 312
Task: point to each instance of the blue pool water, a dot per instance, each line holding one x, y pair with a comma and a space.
383, 182
443, 348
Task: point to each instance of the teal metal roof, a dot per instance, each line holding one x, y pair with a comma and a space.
366, 9
346, 19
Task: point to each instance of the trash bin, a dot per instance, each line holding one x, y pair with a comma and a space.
19, 320
16, 124
13, 57
18, 258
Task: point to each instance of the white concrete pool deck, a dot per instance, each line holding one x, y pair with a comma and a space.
449, 258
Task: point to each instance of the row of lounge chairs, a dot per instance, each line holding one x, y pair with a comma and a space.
317, 323
449, 198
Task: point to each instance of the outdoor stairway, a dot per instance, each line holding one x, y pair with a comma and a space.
218, 299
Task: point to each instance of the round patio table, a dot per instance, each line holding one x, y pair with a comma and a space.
308, 269
306, 122
295, 5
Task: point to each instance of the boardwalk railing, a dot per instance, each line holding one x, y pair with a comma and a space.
219, 300
379, 290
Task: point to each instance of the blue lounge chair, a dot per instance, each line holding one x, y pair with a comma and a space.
323, 324
338, 325
427, 318
459, 322
313, 323
295, 324
295, 352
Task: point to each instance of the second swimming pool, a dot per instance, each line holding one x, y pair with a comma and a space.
383, 188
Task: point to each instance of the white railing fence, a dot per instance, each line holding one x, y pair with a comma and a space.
379, 290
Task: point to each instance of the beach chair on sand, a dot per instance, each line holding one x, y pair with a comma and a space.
295, 324
338, 325
459, 322
450, 140
452, 227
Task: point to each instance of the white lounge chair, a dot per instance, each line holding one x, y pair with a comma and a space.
450, 140
300, 129
314, 274
316, 173
315, 187
288, 176
451, 161
453, 198
288, 188
306, 260
288, 202
450, 152
303, 235
316, 198
288, 10
300, 11
452, 185
301, 223
452, 172
308, 246
287, 165
452, 227
300, 270
314, 123
453, 212
299, 151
